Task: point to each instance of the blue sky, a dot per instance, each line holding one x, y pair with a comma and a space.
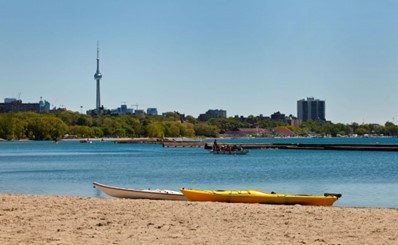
246, 57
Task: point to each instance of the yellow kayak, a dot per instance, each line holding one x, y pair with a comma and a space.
256, 196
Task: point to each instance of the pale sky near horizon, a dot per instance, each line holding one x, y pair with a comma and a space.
246, 57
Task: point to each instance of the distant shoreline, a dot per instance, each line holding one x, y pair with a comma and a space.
141, 139
171, 139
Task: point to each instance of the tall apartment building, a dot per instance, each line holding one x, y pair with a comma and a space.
311, 109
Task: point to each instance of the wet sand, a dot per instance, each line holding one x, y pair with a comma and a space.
30, 219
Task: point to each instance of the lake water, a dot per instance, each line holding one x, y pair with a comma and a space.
365, 178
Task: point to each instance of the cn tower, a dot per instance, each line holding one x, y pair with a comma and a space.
97, 77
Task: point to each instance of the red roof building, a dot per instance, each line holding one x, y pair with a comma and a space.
283, 132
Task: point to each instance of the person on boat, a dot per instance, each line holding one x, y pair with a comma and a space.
228, 148
216, 147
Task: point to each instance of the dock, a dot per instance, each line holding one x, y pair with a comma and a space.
140, 141
291, 146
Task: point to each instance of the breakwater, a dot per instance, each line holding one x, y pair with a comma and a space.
291, 146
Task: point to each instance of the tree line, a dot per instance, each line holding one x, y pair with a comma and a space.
54, 126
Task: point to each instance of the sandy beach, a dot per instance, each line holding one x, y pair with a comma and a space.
31, 219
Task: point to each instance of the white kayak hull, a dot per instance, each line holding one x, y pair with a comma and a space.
140, 194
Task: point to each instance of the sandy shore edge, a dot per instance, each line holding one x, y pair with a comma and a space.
33, 219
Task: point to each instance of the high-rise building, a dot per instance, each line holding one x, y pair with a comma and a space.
311, 109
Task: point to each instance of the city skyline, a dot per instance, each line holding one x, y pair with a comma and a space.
245, 57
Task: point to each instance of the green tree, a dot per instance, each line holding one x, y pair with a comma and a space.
171, 116
8, 126
204, 129
84, 120
187, 130
81, 131
156, 130
43, 127
191, 119
135, 127
361, 130
172, 129
391, 129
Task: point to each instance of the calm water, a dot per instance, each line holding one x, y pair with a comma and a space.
366, 179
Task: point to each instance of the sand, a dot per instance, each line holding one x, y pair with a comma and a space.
31, 219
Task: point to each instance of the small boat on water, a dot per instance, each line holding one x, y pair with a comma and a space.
86, 141
140, 194
256, 196
234, 152
227, 149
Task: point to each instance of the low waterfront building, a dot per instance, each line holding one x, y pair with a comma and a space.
294, 121
283, 132
100, 111
261, 132
16, 105
152, 111
247, 132
122, 110
278, 117
10, 100
139, 112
